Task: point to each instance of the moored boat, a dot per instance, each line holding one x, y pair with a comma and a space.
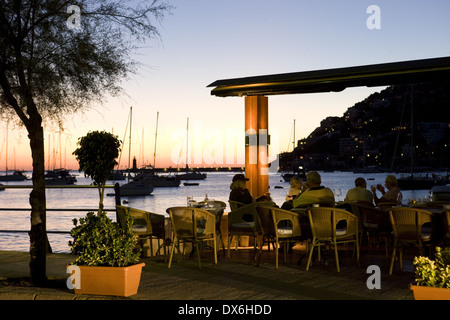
16, 176
136, 188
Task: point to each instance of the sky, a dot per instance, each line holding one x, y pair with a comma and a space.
207, 40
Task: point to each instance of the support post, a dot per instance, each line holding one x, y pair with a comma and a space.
256, 144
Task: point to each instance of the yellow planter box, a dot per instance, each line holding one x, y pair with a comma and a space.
110, 281
430, 293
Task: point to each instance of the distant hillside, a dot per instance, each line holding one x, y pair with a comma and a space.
377, 132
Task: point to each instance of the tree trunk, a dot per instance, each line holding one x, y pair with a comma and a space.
38, 232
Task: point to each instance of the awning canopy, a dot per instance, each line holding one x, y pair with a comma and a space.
329, 80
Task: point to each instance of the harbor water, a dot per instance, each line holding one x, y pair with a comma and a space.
216, 186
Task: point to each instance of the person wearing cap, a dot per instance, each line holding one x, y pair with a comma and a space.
240, 193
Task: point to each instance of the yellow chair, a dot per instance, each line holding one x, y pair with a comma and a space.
278, 226
324, 227
234, 205
410, 226
192, 225
243, 221
146, 225
373, 222
218, 208
385, 206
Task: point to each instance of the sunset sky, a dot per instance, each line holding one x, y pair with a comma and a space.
205, 40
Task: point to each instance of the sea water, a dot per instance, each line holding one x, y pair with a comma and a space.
215, 186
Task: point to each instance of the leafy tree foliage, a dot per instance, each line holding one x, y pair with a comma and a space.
59, 57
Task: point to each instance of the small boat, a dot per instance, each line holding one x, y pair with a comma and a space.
420, 182
16, 176
440, 193
136, 188
157, 180
59, 177
117, 175
194, 175
2, 187
190, 183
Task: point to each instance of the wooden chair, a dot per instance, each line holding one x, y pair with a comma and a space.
243, 221
146, 225
192, 225
279, 227
324, 226
410, 226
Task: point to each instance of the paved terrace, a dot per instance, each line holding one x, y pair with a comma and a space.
234, 278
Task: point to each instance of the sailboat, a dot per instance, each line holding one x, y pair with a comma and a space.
135, 188
415, 182
297, 170
17, 175
190, 175
150, 174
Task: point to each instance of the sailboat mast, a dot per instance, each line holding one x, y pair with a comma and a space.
7, 129
187, 141
293, 142
129, 144
156, 137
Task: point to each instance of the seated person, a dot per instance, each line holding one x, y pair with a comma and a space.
314, 192
240, 193
392, 195
359, 193
294, 191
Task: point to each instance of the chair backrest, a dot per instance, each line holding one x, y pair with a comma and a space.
324, 222
141, 219
234, 205
158, 222
446, 219
266, 220
248, 216
284, 219
121, 215
407, 222
189, 222
371, 215
387, 205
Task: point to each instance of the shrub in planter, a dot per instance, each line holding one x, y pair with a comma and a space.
432, 277
107, 257
98, 241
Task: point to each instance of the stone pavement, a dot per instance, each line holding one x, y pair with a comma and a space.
234, 278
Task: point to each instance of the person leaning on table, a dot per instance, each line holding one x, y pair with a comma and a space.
314, 192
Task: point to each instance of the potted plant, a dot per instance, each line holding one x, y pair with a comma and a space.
107, 255
432, 277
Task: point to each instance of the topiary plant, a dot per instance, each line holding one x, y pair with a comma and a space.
96, 155
98, 241
434, 273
